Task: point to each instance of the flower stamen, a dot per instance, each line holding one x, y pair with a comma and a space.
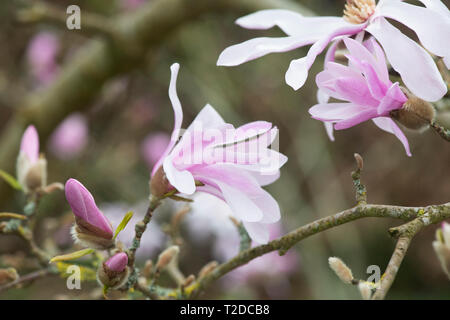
359, 11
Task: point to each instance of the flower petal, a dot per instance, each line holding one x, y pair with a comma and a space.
178, 114
292, 23
258, 47
356, 119
183, 180
416, 67
388, 125
259, 232
432, 28
394, 99
30, 144
334, 111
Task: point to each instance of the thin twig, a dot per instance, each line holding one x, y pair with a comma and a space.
443, 132
26, 278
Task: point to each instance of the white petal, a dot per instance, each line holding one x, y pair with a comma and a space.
259, 232
183, 181
413, 63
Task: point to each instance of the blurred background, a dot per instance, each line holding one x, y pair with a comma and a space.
109, 129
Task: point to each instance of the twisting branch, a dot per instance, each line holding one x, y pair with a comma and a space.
26, 278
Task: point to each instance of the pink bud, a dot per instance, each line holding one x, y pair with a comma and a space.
70, 137
30, 144
42, 53
83, 206
117, 262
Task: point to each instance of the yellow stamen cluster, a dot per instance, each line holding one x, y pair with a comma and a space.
358, 11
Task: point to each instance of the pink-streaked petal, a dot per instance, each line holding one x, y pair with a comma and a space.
258, 47
376, 86
355, 90
292, 23
388, 125
259, 232
334, 111
394, 99
356, 119
30, 144
269, 206
297, 73
331, 52
414, 64
322, 98
432, 28
83, 206
239, 202
178, 114
117, 262
183, 180
375, 49
361, 53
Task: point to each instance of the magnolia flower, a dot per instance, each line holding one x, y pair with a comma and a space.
230, 163
416, 67
31, 169
113, 273
153, 147
366, 86
70, 137
442, 247
91, 228
42, 52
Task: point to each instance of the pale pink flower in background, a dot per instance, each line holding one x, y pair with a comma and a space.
209, 220
365, 84
85, 209
153, 239
117, 262
70, 137
154, 146
31, 169
416, 67
42, 53
131, 4
199, 156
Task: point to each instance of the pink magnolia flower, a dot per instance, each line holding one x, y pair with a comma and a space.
70, 137
154, 146
42, 53
230, 163
416, 67
365, 85
86, 212
31, 169
117, 262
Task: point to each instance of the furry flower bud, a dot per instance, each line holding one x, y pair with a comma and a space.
340, 268
114, 272
442, 247
159, 185
91, 227
416, 113
166, 257
31, 168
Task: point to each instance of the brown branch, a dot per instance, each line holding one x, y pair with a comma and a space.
26, 278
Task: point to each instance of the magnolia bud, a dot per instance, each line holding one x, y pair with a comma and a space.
114, 272
159, 185
207, 269
188, 281
340, 268
148, 269
8, 275
166, 257
442, 247
365, 290
91, 228
415, 114
31, 168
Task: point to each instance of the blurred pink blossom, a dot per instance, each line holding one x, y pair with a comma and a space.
131, 4
70, 137
416, 67
154, 146
232, 164
42, 53
365, 85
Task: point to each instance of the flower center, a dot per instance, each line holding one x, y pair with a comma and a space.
358, 11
